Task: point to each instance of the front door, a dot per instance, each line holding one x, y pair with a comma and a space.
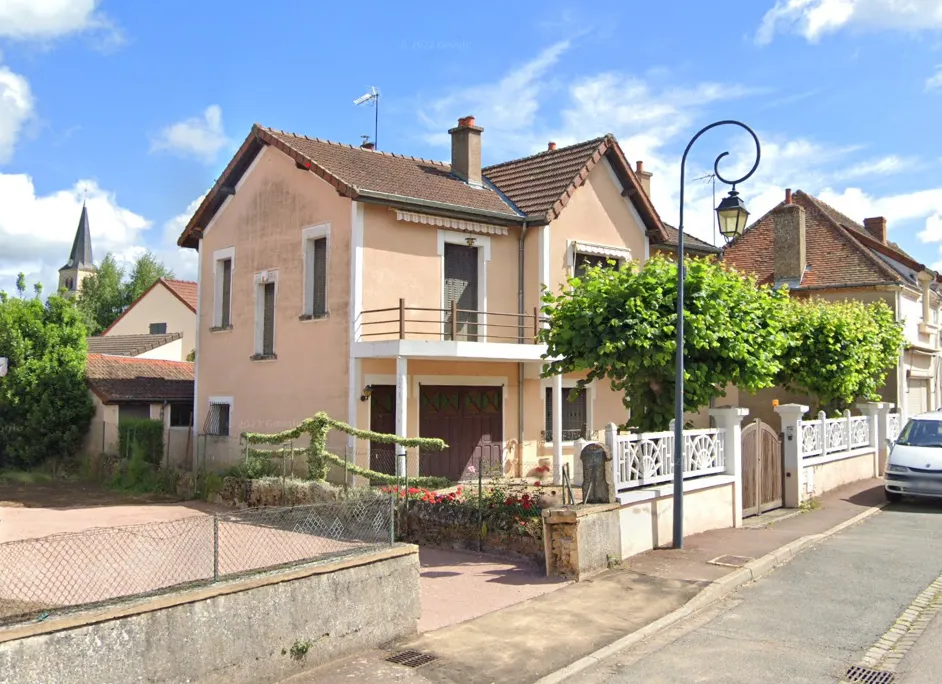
383, 419
470, 421
762, 468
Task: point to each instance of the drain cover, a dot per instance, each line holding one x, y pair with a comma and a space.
866, 675
731, 561
413, 658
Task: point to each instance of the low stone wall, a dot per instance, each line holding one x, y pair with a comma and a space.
251, 631
580, 541
823, 473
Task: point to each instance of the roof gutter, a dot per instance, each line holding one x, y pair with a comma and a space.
464, 212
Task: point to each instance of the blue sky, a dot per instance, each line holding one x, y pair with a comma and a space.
142, 104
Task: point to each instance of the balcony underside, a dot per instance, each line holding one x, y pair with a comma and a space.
449, 350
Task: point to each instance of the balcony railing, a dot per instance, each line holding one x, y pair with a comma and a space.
423, 323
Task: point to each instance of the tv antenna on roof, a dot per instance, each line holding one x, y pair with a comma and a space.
372, 96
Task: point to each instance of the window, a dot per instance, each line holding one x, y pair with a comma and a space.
575, 415
266, 288
586, 261
461, 288
158, 328
222, 294
217, 420
315, 271
181, 415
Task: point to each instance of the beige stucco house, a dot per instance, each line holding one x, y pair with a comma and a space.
167, 307
401, 294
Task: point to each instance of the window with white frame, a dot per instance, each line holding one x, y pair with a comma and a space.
584, 256
266, 291
464, 283
218, 417
315, 241
223, 261
575, 414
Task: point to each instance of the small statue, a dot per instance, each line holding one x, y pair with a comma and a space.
598, 485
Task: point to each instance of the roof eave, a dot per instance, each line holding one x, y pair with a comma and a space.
457, 210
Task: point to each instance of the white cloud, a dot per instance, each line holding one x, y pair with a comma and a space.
16, 107
813, 19
934, 82
201, 137
46, 19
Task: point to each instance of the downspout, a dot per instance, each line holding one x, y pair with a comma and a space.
521, 332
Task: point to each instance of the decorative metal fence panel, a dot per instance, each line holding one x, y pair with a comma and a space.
832, 435
894, 425
645, 459
61, 571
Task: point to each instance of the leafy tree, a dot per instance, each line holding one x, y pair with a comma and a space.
45, 407
105, 294
839, 353
146, 271
620, 324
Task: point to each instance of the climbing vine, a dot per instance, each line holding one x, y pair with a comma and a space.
319, 459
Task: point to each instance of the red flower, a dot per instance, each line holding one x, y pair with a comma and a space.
537, 484
526, 505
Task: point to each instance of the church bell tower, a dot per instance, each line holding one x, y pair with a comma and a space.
80, 264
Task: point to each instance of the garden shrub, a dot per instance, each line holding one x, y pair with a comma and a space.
144, 434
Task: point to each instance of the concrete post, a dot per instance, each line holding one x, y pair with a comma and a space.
847, 435
557, 429
577, 448
791, 422
729, 419
611, 435
872, 410
402, 402
823, 419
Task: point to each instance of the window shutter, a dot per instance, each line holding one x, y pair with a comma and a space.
319, 296
461, 287
268, 322
548, 424
226, 292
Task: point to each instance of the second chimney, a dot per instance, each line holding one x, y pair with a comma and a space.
788, 245
644, 177
466, 151
876, 227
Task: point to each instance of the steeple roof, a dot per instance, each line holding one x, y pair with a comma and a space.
81, 256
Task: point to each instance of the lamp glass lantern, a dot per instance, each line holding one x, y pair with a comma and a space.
732, 215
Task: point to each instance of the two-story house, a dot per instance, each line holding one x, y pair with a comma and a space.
168, 307
402, 294
819, 252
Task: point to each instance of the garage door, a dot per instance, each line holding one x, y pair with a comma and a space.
470, 420
917, 397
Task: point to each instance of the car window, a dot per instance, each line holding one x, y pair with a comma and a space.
921, 433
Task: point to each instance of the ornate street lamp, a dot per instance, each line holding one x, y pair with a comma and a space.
732, 217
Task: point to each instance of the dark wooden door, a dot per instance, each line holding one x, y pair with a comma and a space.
383, 419
470, 420
762, 469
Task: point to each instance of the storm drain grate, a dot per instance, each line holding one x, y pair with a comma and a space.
866, 675
731, 561
413, 658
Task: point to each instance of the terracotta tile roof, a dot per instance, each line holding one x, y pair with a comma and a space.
836, 256
691, 243
186, 290
129, 345
118, 379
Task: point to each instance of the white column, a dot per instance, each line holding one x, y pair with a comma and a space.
611, 441
557, 429
791, 420
884, 434
353, 403
873, 410
729, 420
402, 400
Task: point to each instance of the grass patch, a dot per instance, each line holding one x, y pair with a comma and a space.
25, 477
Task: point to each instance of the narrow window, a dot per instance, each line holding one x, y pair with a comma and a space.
461, 288
575, 417
316, 299
226, 293
268, 320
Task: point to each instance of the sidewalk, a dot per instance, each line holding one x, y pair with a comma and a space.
542, 635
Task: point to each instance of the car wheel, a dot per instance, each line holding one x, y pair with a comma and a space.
893, 497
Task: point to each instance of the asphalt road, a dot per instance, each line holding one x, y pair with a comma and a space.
809, 620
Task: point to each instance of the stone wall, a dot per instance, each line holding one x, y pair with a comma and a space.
580, 541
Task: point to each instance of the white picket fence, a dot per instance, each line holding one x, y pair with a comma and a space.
644, 459
833, 435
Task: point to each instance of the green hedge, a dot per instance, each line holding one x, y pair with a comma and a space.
144, 436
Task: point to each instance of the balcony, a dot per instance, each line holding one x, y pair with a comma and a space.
449, 333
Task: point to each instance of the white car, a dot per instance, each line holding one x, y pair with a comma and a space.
914, 464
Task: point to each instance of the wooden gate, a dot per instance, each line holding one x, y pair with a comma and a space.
762, 469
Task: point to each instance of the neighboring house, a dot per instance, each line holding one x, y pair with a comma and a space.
166, 307
693, 246
125, 387
818, 252
80, 264
168, 346
399, 294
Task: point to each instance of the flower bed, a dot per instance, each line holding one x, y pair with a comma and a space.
495, 520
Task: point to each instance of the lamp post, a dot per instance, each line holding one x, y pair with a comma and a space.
732, 217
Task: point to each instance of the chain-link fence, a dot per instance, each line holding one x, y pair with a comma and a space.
102, 564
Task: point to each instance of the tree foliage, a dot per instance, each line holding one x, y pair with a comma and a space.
45, 407
839, 352
620, 324
109, 291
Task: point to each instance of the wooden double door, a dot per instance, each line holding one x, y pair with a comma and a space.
762, 469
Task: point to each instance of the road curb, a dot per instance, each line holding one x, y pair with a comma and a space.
713, 592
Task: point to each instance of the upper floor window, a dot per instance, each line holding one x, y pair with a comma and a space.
461, 289
266, 289
222, 291
584, 256
158, 328
575, 415
315, 242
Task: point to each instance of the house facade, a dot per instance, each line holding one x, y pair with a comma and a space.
819, 252
402, 295
168, 307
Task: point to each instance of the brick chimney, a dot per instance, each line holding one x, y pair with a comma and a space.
788, 245
644, 177
550, 146
466, 151
876, 226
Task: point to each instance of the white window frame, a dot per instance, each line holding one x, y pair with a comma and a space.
219, 256
569, 383
622, 255
272, 277
221, 400
308, 236
483, 244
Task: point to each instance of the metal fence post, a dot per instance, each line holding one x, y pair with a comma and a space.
215, 547
392, 518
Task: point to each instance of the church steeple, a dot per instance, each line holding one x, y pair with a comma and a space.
80, 264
